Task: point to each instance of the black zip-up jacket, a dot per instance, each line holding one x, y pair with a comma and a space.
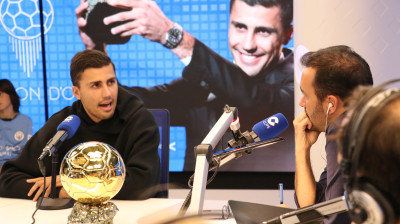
258, 97
132, 131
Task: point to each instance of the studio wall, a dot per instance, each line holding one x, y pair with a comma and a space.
370, 27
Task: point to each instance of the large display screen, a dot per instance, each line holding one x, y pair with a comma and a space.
139, 62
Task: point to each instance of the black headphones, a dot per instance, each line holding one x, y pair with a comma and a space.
367, 203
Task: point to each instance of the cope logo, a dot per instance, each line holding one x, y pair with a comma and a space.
271, 121
68, 119
21, 19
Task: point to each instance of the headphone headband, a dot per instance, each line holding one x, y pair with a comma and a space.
353, 143
373, 101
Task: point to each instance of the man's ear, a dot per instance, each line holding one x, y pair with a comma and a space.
334, 100
288, 35
75, 91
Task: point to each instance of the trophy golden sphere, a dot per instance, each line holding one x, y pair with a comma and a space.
92, 172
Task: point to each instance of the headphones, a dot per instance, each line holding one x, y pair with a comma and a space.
367, 203
327, 114
329, 107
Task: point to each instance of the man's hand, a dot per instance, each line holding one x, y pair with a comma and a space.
146, 19
283, 206
63, 194
304, 180
87, 41
143, 17
304, 137
39, 187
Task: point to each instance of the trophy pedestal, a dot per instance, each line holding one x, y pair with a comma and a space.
93, 213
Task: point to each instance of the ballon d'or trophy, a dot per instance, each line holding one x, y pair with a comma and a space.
92, 173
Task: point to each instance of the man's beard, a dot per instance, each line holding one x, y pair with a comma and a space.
313, 127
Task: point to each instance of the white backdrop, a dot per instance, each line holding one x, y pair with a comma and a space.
370, 27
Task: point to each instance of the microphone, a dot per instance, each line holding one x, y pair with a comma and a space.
266, 129
65, 130
263, 134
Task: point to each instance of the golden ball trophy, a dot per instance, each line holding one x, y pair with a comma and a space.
92, 173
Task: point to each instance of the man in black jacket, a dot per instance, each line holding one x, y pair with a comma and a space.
259, 83
109, 114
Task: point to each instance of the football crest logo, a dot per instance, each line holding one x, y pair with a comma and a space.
21, 19
19, 136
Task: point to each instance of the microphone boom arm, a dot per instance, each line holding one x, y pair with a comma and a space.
203, 158
227, 155
248, 147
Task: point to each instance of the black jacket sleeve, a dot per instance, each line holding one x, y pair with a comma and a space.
132, 131
228, 81
141, 160
15, 172
178, 96
138, 145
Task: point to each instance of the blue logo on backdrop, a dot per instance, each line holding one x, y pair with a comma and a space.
139, 62
21, 19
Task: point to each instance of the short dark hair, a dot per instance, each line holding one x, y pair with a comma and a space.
381, 155
286, 9
339, 70
380, 150
87, 59
7, 87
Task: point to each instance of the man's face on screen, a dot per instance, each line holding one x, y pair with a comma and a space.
255, 36
98, 92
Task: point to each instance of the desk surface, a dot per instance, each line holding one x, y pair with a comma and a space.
148, 211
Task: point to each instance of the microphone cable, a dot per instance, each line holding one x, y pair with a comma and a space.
186, 202
38, 204
216, 161
40, 201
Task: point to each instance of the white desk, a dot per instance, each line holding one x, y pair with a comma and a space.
142, 212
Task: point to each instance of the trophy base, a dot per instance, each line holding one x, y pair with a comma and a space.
93, 213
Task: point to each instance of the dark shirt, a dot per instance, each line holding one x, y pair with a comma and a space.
132, 131
187, 99
330, 184
258, 97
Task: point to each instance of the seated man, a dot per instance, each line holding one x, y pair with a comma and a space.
329, 76
370, 155
108, 114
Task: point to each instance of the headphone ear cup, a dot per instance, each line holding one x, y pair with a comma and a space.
345, 167
369, 205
